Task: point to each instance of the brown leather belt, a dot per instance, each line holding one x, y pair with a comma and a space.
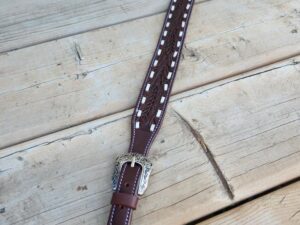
132, 170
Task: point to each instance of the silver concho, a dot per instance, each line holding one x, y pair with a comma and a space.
133, 158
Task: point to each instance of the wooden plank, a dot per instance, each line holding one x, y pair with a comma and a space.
32, 22
68, 173
251, 126
46, 88
25, 23
281, 207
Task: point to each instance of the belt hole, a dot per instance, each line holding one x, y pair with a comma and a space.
127, 184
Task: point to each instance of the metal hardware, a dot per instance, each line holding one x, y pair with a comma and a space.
133, 158
133, 162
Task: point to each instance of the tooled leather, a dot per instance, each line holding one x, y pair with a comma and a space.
163, 62
153, 96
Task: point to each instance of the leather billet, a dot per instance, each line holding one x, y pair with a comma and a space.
133, 169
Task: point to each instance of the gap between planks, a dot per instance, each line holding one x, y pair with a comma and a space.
243, 202
215, 81
90, 30
291, 63
81, 83
128, 112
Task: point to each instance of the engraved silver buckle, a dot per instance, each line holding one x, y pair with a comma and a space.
133, 158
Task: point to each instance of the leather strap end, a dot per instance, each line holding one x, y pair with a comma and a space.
124, 199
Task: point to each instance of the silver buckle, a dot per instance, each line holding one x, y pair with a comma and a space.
133, 158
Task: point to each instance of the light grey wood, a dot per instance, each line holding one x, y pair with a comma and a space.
68, 175
252, 127
281, 207
26, 23
46, 88
249, 123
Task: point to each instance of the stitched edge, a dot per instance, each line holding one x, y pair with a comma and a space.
112, 214
119, 187
164, 106
147, 77
171, 82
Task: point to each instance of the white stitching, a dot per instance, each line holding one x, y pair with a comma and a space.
148, 87
183, 24
127, 216
158, 113
143, 100
152, 127
164, 106
139, 113
173, 64
152, 74
159, 52
133, 189
112, 214
140, 99
122, 176
165, 87
135, 180
119, 187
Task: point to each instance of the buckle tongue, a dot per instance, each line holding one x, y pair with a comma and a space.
133, 158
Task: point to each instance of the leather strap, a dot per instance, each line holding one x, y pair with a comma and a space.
124, 199
151, 106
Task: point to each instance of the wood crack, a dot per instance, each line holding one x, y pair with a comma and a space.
296, 213
264, 72
78, 52
245, 201
199, 138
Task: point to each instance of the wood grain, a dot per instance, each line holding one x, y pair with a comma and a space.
26, 23
69, 175
281, 207
249, 123
251, 126
48, 87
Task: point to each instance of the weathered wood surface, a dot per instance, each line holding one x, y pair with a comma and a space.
69, 175
249, 123
46, 88
26, 23
278, 208
251, 126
